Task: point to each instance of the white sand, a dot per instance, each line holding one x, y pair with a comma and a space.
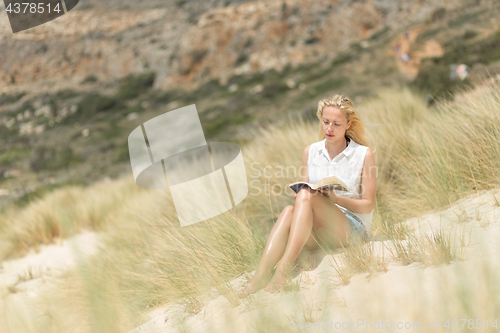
50, 261
22, 280
402, 294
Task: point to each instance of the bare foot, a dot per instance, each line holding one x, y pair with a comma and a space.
253, 285
280, 279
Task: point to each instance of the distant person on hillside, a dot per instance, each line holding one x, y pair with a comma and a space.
330, 218
405, 57
407, 34
462, 72
398, 48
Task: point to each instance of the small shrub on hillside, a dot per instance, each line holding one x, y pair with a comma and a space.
6, 132
167, 96
41, 191
26, 106
249, 80
330, 85
123, 154
112, 131
438, 14
379, 33
208, 88
467, 18
90, 79
426, 35
12, 155
222, 122
311, 40
341, 59
66, 94
49, 158
273, 90
10, 98
469, 34
94, 103
134, 85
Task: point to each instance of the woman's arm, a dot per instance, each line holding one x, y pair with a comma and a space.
368, 188
304, 169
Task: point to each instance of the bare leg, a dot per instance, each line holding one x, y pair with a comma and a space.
312, 210
273, 251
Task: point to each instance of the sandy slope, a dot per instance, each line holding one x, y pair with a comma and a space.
22, 280
399, 293
412, 293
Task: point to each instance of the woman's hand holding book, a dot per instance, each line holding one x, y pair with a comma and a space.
330, 195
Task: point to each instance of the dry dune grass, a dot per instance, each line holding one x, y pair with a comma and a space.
63, 213
427, 159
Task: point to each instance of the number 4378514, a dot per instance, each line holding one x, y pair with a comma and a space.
32, 8
470, 324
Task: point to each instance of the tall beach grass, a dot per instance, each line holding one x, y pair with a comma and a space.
427, 159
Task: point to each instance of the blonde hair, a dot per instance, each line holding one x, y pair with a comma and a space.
356, 131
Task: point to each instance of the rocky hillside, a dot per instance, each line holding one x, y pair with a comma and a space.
72, 90
188, 42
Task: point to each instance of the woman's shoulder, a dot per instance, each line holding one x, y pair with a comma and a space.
360, 150
314, 146
359, 146
311, 149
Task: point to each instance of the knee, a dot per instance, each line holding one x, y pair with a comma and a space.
286, 214
308, 195
304, 194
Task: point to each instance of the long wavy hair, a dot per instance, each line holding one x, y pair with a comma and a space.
356, 131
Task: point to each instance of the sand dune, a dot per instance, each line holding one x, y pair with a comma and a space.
23, 280
409, 294
414, 294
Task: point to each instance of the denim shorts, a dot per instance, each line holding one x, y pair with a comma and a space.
358, 230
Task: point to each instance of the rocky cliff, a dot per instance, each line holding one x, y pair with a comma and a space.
186, 42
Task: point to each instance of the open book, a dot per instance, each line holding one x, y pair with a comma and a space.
327, 183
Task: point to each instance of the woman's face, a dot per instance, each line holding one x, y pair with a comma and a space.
334, 123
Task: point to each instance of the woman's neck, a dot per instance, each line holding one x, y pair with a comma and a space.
335, 148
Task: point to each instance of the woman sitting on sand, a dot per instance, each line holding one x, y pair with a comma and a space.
333, 218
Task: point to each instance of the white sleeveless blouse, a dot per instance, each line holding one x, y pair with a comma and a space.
346, 166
